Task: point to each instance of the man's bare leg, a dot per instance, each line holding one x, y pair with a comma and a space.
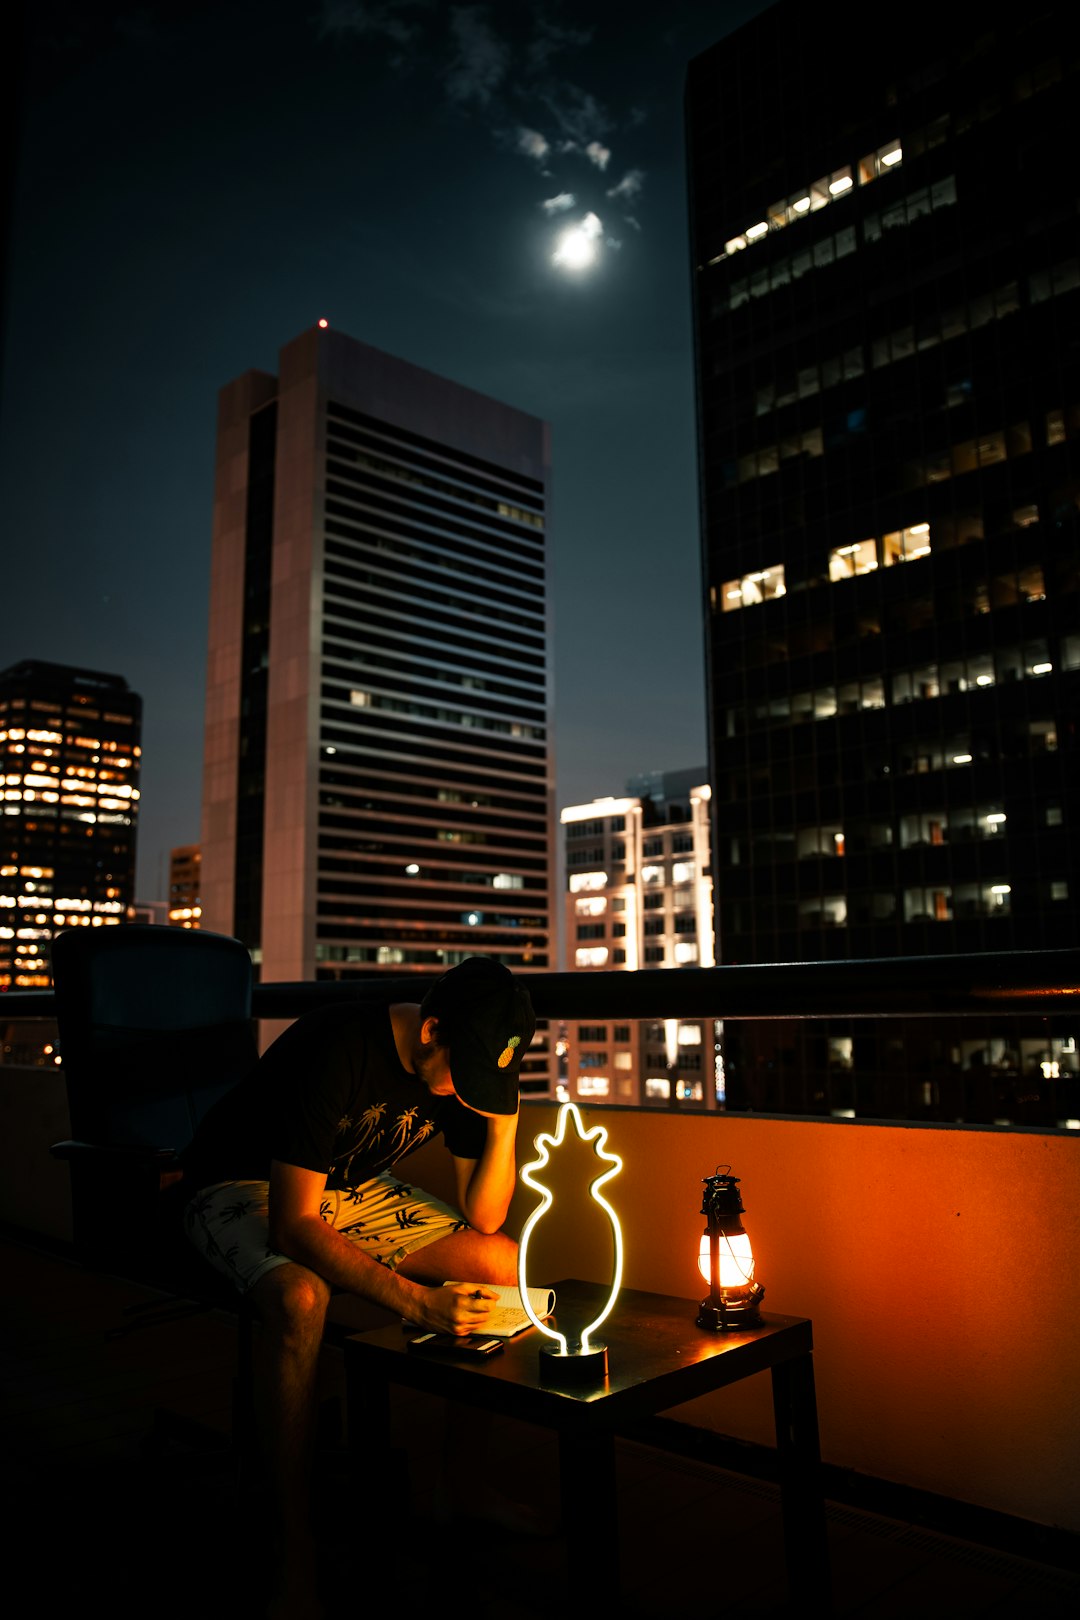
290, 1303
469, 1256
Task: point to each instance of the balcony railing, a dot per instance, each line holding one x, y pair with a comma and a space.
767, 1010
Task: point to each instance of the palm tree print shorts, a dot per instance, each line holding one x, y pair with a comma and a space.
230, 1224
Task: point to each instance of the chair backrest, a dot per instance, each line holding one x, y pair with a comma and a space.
154, 1026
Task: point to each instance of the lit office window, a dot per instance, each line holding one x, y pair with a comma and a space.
591, 906
580, 881
760, 586
847, 561
905, 545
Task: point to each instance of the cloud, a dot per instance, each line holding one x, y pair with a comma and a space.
384, 19
629, 186
580, 117
559, 204
481, 59
533, 144
600, 155
550, 38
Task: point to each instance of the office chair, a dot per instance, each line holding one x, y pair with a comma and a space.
154, 1026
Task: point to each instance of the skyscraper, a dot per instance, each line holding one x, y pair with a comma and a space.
887, 325
185, 905
639, 895
378, 787
69, 762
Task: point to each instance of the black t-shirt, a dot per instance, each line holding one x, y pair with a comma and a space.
330, 1094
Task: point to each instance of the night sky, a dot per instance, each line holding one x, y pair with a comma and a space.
197, 183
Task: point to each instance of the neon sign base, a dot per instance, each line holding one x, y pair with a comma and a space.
573, 1368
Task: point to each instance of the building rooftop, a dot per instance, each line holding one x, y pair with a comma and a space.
132, 1522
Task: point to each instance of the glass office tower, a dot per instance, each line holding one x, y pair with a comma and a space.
886, 271
379, 783
69, 767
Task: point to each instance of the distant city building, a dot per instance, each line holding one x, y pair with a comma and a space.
149, 911
378, 788
185, 886
887, 302
639, 895
69, 763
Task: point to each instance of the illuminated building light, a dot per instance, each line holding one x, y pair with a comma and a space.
754, 232
323, 322
841, 184
412, 869
995, 818
961, 759
984, 680
591, 906
736, 245
579, 881
1041, 669
598, 807
1001, 888
543, 1145
888, 159
801, 205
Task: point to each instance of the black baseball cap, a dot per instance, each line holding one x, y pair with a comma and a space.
486, 1021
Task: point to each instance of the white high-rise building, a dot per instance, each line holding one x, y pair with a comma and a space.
639, 895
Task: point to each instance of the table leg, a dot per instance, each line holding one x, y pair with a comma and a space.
806, 1543
367, 1409
590, 1517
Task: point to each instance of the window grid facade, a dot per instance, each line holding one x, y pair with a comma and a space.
69, 795
395, 732
890, 458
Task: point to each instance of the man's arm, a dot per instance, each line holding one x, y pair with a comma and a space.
298, 1230
485, 1185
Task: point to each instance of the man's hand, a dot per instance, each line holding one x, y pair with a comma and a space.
460, 1309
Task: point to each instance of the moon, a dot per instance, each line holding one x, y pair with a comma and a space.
577, 246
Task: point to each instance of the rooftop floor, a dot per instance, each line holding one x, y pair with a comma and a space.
95, 1519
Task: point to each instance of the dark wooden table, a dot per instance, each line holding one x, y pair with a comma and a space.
657, 1359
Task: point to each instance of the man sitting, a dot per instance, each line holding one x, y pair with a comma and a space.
294, 1195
